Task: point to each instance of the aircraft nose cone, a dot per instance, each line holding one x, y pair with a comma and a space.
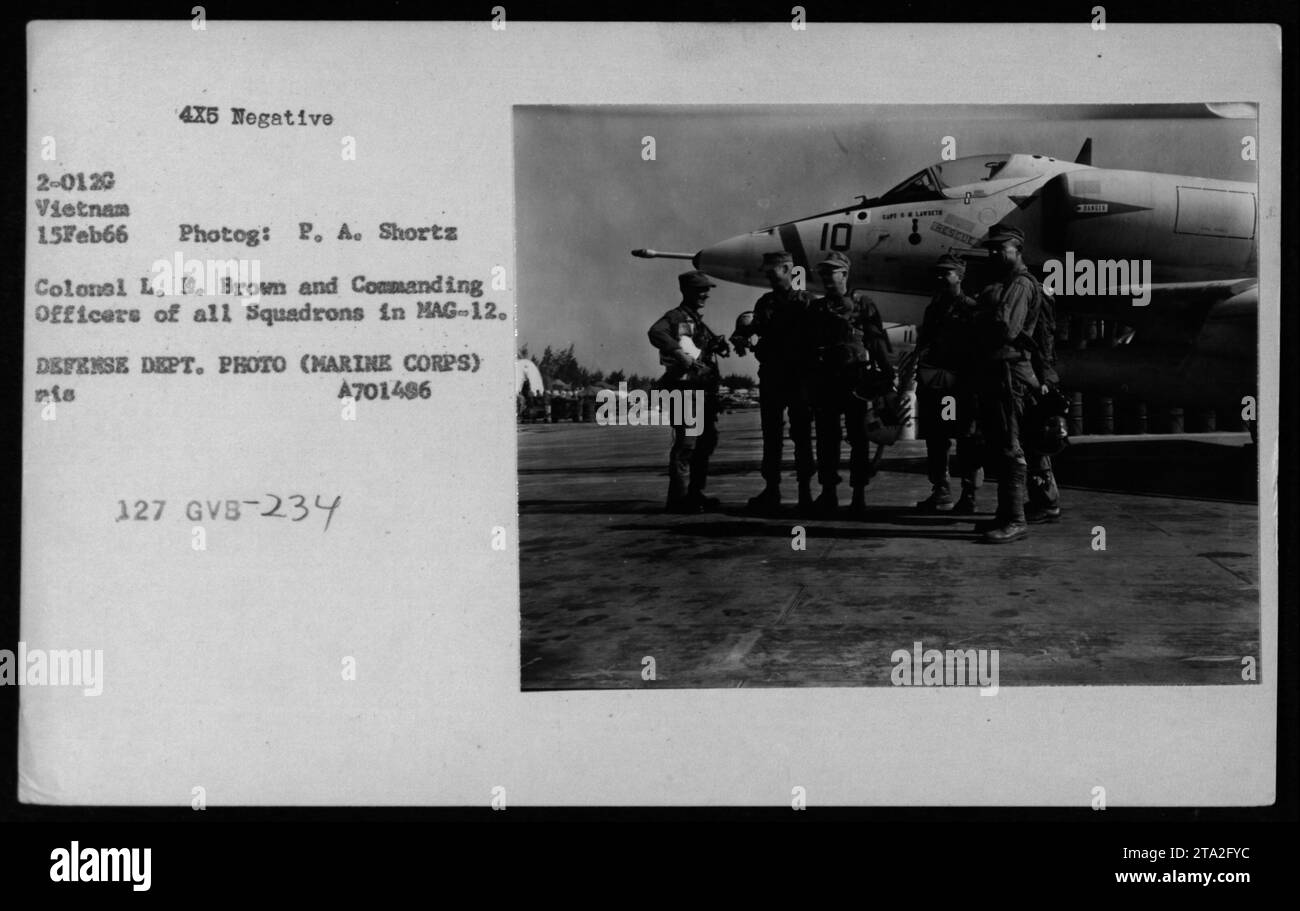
739, 259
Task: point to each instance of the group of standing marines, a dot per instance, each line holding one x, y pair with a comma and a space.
824, 362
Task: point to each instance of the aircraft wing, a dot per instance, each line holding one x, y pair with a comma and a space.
1194, 344
1174, 313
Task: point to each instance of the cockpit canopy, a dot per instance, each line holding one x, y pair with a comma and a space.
963, 172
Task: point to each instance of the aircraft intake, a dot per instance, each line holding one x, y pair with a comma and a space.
1190, 228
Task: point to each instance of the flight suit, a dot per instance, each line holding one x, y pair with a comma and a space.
1004, 377
944, 370
688, 461
781, 323
850, 352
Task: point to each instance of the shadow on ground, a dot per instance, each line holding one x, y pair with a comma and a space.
1163, 468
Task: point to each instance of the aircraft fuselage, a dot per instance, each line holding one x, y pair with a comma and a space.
1188, 228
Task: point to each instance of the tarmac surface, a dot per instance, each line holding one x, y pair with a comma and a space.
724, 600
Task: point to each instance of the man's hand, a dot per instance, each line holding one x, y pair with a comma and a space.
700, 372
744, 332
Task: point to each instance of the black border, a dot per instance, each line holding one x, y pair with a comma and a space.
1099, 831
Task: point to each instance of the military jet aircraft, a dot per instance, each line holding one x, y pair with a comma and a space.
1171, 259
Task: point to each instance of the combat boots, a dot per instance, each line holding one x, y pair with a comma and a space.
767, 501
805, 499
1013, 531
965, 504
1043, 503
1036, 514
858, 508
939, 500
1011, 505
684, 506
827, 503
982, 525
703, 503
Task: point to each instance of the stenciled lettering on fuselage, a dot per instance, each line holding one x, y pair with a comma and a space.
910, 213
948, 231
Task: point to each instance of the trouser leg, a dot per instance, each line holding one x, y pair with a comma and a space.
1013, 454
1004, 430
1042, 490
936, 460
679, 463
969, 464
991, 427
1011, 496
801, 419
935, 429
1002, 405
772, 412
705, 443
970, 443
855, 418
829, 435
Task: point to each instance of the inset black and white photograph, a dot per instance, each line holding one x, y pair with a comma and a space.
887, 395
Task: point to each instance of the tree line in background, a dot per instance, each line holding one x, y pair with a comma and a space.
563, 365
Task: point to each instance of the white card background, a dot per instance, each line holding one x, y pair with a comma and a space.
223, 667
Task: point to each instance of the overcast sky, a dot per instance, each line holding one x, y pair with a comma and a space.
585, 198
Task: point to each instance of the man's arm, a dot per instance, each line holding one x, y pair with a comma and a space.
925, 335
1013, 308
874, 336
742, 336
869, 321
762, 315
756, 325
1047, 327
711, 343
663, 336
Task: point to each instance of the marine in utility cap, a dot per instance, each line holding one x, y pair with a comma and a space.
852, 351
942, 376
685, 323
1042, 495
780, 321
1006, 313
1001, 233
951, 261
695, 279
688, 350
834, 260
